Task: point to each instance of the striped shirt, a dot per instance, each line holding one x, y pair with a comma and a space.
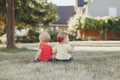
62, 51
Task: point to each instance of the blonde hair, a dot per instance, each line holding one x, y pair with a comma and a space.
61, 36
44, 37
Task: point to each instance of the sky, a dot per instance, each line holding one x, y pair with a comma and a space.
63, 2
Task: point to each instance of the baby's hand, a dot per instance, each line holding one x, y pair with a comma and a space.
72, 46
71, 49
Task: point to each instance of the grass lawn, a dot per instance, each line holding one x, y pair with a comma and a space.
87, 65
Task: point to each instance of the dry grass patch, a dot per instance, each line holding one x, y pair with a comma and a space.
95, 65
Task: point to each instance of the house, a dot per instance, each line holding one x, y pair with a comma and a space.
104, 8
98, 8
64, 13
81, 7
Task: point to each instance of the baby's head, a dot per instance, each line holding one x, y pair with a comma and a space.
62, 37
44, 37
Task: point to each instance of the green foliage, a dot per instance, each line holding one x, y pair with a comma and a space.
53, 34
74, 23
2, 30
72, 38
77, 23
51, 15
105, 25
2, 13
30, 13
89, 23
31, 37
34, 13
102, 24
116, 25
2, 6
14, 50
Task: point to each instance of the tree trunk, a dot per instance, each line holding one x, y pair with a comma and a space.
10, 30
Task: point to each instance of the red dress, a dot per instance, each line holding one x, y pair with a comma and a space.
46, 53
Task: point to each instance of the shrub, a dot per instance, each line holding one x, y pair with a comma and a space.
103, 24
31, 37
116, 24
53, 34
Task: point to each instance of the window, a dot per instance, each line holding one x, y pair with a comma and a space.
82, 11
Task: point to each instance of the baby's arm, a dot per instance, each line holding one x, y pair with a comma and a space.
38, 53
71, 49
54, 51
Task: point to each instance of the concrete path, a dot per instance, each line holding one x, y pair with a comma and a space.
85, 45
81, 45
97, 45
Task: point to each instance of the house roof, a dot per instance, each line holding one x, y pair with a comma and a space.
64, 13
81, 3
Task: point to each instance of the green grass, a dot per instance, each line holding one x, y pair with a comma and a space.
87, 65
14, 50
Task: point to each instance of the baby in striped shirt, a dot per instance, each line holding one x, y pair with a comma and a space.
63, 50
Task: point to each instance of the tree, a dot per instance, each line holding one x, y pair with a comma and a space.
10, 24
51, 15
31, 13
2, 16
35, 13
28, 13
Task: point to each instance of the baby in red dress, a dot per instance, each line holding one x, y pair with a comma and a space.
45, 50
